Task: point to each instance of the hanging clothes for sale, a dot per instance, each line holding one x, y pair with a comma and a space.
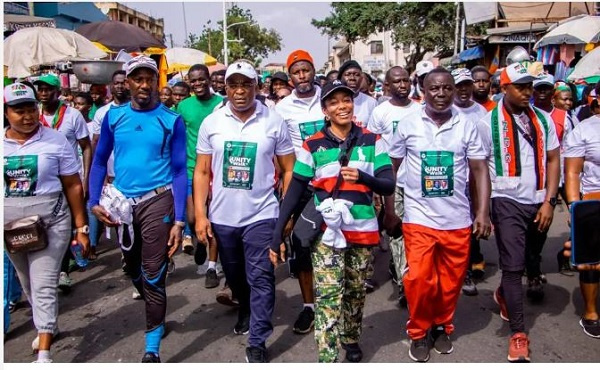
548, 55
567, 53
560, 72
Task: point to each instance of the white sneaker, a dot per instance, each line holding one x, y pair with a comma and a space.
35, 344
45, 360
201, 270
136, 295
64, 281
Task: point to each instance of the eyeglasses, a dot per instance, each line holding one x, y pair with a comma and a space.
240, 85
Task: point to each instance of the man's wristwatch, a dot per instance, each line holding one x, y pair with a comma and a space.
179, 223
552, 201
85, 229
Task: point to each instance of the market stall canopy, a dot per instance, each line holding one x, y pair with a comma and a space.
15, 22
35, 46
581, 29
180, 59
216, 67
115, 36
588, 68
471, 54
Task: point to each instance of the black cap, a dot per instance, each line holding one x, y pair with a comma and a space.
333, 86
347, 65
280, 76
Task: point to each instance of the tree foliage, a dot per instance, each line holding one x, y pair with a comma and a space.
253, 42
423, 25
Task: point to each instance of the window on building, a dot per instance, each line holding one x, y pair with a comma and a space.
376, 47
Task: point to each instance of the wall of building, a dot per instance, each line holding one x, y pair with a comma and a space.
121, 13
69, 16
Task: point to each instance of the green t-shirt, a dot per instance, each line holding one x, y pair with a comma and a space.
194, 111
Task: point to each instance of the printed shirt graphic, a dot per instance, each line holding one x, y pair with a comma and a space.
20, 175
308, 129
239, 161
437, 174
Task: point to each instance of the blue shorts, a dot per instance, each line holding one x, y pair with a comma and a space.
190, 187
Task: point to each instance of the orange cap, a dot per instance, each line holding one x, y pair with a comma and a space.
298, 55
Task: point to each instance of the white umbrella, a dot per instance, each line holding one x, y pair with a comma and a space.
588, 66
181, 59
575, 30
35, 46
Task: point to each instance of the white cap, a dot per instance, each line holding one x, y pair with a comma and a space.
424, 67
461, 75
141, 61
544, 79
242, 68
18, 93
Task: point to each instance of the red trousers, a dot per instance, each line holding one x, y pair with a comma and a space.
437, 264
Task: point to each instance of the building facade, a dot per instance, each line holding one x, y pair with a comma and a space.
121, 13
69, 16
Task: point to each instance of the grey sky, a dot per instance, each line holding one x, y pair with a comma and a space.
290, 19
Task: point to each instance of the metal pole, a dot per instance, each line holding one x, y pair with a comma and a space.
185, 25
462, 34
225, 51
457, 28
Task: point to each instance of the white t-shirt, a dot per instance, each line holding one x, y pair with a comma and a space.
242, 164
384, 121
584, 141
304, 117
436, 159
73, 127
526, 192
34, 167
475, 112
363, 107
97, 126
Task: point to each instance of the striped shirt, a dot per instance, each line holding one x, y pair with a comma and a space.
318, 160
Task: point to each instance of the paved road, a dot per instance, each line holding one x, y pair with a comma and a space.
100, 322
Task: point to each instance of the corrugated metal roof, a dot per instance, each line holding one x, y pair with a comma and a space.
517, 29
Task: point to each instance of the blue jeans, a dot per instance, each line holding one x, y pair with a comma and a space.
244, 253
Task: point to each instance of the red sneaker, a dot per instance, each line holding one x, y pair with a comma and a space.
499, 299
518, 348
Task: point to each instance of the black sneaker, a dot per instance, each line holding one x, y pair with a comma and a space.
392, 271
256, 355
305, 321
402, 301
441, 341
200, 254
535, 289
469, 287
419, 350
353, 352
242, 327
212, 280
590, 327
150, 357
370, 285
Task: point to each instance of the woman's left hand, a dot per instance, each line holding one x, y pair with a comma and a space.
84, 241
349, 174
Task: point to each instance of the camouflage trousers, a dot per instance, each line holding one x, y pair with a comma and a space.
339, 296
397, 244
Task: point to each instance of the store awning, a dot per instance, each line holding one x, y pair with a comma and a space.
14, 22
471, 54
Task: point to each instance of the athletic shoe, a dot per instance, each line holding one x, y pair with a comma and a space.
171, 266
518, 348
441, 341
469, 287
392, 271
200, 254
499, 299
124, 265
242, 327
543, 278
225, 297
590, 327
12, 306
256, 355
402, 301
478, 270
353, 352
150, 357
419, 350
305, 322
535, 289
42, 361
369, 285
136, 295
64, 282
212, 280
35, 344
188, 245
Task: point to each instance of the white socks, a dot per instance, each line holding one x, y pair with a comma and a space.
212, 265
43, 355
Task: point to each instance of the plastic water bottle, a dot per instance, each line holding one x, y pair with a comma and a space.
77, 251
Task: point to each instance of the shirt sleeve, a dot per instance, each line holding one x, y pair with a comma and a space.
382, 159
485, 134
178, 164
97, 121
553, 142
284, 144
374, 124
68, 163
397, 147
99, 164
81, 130
203, 145
304, 168
475, 147
574, 144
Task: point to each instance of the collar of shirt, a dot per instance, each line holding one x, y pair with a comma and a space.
315, 98
258, 110
446, 125
37, 136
